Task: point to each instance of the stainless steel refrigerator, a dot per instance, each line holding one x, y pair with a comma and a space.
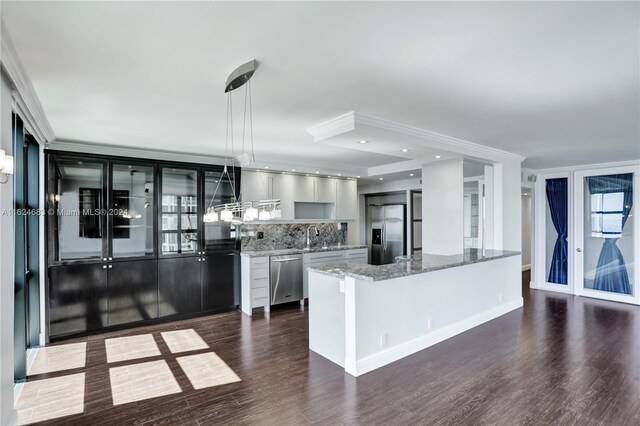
387, 233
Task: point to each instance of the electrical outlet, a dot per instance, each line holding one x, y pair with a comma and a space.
383, 339
260, 235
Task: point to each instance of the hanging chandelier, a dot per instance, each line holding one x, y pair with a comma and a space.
239, 211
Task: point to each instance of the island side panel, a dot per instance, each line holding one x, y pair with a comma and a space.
398, 317
326, 317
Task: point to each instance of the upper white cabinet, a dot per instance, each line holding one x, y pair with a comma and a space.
256, 186
304, 189
346, 199
325, 190
283, 189
341, 194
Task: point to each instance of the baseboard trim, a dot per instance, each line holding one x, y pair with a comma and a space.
397, 352
526, 267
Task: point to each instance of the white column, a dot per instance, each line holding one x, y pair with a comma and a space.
442, 208
511, 205
488, 208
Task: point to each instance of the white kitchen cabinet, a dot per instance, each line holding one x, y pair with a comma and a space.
340, 257
325, 190
339, 196
254, 284
283, 189
256, 186
303, 189
346, 199
357, 256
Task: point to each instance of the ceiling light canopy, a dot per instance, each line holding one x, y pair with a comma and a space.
363, 141
404, 150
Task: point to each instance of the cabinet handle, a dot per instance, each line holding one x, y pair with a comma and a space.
104, 259
203, 259
104, 266
110, 266
111, 258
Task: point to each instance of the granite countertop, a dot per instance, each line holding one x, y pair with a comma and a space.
421, 264
282, 252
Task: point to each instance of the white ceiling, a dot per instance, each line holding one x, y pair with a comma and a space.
554, 82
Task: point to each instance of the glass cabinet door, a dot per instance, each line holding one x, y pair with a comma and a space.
76, 202
132, 208
179, 211
218, 235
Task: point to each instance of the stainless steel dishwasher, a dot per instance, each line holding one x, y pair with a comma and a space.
286, 278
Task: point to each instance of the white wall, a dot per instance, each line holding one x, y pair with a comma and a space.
7, 264
526, 231
442, 208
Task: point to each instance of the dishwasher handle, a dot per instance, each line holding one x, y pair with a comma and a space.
288, 259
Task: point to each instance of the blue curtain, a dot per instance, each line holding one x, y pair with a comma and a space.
557, 198
611, 271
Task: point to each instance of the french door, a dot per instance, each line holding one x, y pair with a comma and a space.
607, 234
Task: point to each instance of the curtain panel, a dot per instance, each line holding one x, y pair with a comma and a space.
557, 197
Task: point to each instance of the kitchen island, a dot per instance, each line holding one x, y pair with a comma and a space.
363, 317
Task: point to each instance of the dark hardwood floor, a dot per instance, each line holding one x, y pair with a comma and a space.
559, 360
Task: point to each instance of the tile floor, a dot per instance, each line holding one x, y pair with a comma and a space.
136, 382
183, 341
207, 370
59, 358
130, 380
131, 347
51, 398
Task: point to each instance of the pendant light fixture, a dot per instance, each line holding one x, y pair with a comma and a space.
239, 211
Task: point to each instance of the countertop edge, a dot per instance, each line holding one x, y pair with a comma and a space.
404, 273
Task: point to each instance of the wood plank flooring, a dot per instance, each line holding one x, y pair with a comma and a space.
559, 360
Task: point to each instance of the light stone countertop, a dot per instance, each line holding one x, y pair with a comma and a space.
420, 264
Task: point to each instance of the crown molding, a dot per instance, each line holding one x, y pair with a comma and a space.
334, 127
584, 167
24, 93
437, 140
402, 166
124, 151
354, 120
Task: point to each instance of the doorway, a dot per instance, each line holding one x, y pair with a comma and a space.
27, 248
607, 234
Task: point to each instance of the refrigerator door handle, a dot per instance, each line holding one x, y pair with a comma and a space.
384, 236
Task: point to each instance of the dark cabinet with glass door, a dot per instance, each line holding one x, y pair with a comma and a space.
126, 243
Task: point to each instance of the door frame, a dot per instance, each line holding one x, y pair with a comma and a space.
578, 264
540, 238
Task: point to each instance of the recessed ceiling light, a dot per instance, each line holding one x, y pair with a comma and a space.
317, 172
266, 167
358, 177
363, 141
283, 172
328, 176
307, 174
438, 156
526, 193
339, 174
410, 174
381, 178
404, 150
293, 170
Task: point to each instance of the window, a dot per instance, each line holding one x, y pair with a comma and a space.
607, 214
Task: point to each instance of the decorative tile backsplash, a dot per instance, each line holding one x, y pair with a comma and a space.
292, 235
